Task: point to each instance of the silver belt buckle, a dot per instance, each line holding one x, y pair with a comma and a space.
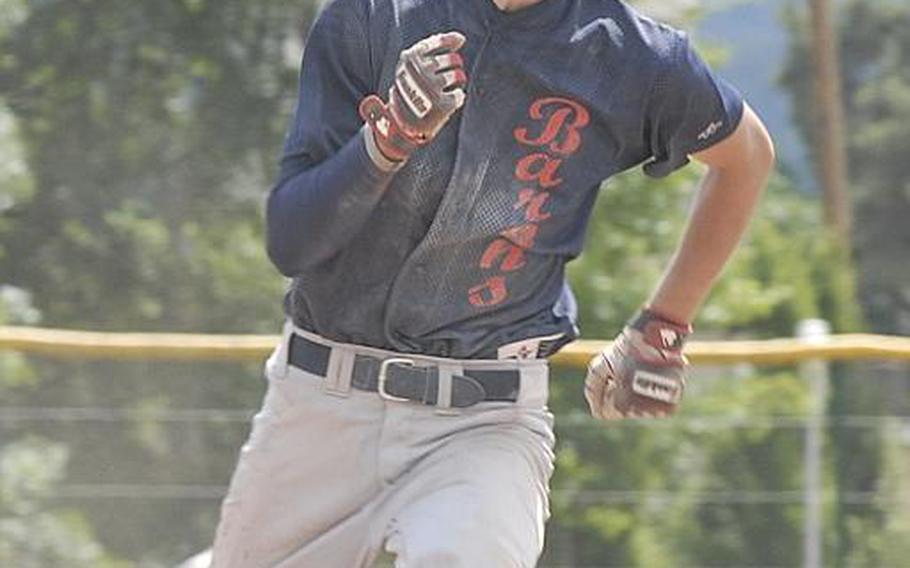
383, 375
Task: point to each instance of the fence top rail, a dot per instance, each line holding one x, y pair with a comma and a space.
60, 343
847, 347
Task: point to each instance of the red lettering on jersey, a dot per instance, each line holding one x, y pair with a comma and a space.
514, 256
539, 167
490, 293
567, 116
563, 121
533, 203
523, 235
511, 247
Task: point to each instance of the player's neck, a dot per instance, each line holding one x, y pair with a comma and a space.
514, 5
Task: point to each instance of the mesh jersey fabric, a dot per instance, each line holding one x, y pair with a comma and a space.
463, 250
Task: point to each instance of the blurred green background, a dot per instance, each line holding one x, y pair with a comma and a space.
137, 143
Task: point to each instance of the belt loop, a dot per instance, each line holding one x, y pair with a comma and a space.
444, 392
534, 388
276, 367
338, 376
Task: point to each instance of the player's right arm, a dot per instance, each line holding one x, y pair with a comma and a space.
327, 185
336, 168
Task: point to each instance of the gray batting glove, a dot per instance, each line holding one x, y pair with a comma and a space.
428, 89
642, 374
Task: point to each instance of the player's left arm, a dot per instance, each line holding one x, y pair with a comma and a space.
738, 169
690, 113
643, 374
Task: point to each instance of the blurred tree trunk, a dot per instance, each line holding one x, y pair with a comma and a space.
829, 128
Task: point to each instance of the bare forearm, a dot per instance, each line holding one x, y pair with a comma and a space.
719, 218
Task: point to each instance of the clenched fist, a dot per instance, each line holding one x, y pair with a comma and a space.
643, 374
428, 89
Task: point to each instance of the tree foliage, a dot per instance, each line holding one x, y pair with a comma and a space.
141, 138
32, 534
151, 130
782, 274
875, 50
876, 69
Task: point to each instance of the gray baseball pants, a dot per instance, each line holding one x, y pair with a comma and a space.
330, 474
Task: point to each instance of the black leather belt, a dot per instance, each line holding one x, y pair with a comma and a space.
398, 378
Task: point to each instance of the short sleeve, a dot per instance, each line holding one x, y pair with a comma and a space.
691, 109
335, 76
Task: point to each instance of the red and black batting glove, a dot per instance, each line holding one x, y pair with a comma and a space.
643, 374
428, 89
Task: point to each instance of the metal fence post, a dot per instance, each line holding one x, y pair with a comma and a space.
816, 375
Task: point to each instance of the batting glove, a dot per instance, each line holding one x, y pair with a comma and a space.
428, 89
643, 374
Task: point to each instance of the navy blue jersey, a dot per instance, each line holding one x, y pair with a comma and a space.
463, 249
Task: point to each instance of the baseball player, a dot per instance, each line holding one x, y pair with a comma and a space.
438, 175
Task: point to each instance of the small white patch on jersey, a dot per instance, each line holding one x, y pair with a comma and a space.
712, 129
524, 349
613, 31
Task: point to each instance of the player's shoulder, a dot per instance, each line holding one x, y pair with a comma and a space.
371, 6
355, 8
636, 32
334, 17
383, 11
